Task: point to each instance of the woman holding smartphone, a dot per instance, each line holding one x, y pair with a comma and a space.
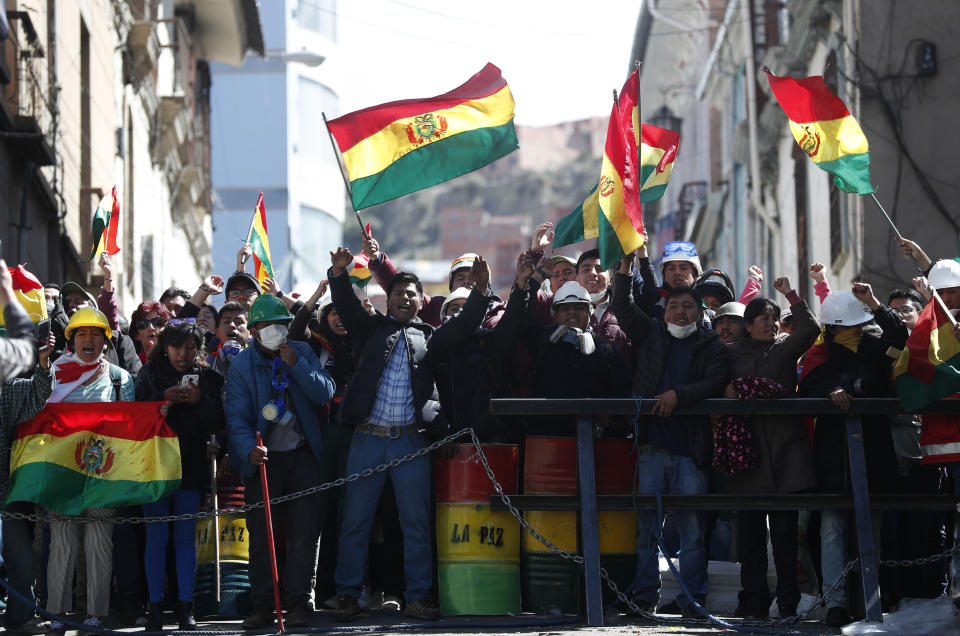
176, 372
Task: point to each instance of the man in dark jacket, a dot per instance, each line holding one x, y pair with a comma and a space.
469, 361
388, 402
679, 361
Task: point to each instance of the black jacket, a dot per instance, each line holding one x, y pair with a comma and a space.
374, 339
865, 373
469, 364
193, 423
709, 371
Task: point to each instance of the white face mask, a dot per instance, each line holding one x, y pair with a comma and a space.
597, 297
681, 332
273, 336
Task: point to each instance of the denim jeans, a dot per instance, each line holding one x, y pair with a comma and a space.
670, 474
20, 562
412, 487
833, 554
184, 501
287, 472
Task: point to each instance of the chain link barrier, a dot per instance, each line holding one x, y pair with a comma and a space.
626, 601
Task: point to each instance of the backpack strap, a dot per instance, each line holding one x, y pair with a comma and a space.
116, 380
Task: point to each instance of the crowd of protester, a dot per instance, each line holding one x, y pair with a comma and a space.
336, 387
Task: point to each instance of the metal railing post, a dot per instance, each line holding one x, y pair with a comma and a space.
589, 522
869, 567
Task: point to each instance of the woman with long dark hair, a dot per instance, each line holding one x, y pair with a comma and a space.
176, 372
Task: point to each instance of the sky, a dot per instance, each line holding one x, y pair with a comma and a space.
562, 58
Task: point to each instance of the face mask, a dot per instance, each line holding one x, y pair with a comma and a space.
679, 332
273, 336
51, 305
453, 314
598, 296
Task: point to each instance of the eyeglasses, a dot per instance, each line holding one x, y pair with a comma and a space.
246, 292
143, 323
680, 246
181, 321
906, 309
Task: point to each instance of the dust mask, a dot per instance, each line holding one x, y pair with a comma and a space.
679, 332
273, 336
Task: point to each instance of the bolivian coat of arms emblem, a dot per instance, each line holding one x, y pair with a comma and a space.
94, 456
426, 128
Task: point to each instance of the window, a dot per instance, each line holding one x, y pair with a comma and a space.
319, 16
314, 142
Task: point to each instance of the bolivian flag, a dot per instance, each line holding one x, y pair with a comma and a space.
929, 366
397, 148
360, 273
611, 212
106, 223
658, 146
260, 243
75, 456
825, 130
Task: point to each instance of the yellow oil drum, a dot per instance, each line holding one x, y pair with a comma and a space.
557, 527
233, 539
478, 550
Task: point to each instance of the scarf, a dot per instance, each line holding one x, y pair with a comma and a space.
71, 372
733, 449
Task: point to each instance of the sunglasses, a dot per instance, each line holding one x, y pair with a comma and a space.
181, 321
143, 323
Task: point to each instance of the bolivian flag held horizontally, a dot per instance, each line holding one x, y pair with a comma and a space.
394, 149
825, 130
75, 456
929, 366
260, 243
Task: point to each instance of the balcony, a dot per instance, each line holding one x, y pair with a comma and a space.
27, 117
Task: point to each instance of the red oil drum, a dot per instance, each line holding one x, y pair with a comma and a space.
615, 463
550, 466
464, 480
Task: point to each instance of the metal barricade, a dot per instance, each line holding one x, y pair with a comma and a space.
588, 503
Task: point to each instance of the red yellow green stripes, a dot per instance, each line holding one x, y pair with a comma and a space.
106, 221
401, 147
75, 456
929, 365
360, 274
825, 130
657, 154
259, 242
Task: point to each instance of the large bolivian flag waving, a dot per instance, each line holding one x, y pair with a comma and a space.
75, 456
825, 130
397, 148
929, 366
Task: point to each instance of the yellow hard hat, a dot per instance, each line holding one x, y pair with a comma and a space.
88, 317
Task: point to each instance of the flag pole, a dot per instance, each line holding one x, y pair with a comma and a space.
216, 519
343, 173
243, 259
889, 220
639, 129
943, 306
269, 537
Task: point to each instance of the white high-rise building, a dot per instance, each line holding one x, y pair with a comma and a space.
268, 134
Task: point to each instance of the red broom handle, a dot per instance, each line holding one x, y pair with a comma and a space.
273, 550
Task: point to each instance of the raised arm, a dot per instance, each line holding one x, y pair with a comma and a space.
356, 320
807, 327
633, 321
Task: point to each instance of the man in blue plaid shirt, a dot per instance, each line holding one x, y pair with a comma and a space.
389, 402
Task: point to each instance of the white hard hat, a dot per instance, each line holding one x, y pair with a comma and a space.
572, 292
464, 261
945, 273
456, 294
681, 251
731, 309
842, 308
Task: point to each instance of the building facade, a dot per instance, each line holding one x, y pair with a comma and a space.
763, 201
269, 135
106, 93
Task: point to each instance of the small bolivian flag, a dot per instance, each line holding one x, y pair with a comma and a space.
929, 365
825, 130
105, 225
360, 273
397, 148
658, 146
76, 455
260, 243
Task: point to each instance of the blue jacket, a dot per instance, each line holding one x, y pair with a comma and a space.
249, 389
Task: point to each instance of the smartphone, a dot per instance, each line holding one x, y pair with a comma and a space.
43, 332
187, 380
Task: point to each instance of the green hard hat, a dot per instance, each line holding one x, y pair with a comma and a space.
268, 307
